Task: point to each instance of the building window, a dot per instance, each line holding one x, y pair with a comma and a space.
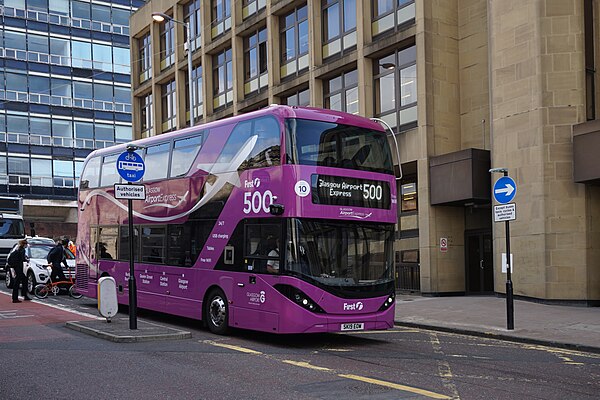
198, 98
146, 115
341, 92
222, 79
3, 171
408, 196
145, 57
590, 69
192, 16
221, 17
169, 106
391, 14
299, 98
396, 89
294, 41
167, 44
256, 76
250, 7
41, 172
18, 171
63, 173
339, 26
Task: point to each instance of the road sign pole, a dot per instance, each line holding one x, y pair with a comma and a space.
510, 307
132, 285
131, 167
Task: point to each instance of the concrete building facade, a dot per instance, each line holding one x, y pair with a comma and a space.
64, 91
466, 85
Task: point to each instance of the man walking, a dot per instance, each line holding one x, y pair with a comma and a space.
15, 262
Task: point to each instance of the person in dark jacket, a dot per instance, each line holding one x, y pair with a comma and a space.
16, 261
57, 256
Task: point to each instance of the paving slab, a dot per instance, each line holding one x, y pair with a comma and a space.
567, 326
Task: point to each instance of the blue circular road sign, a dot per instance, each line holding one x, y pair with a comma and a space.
505, 189
130, 166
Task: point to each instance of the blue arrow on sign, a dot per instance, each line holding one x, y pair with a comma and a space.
505, 189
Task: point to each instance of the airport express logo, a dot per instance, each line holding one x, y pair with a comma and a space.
353, 306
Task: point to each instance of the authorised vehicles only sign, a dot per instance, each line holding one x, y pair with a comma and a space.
130, 192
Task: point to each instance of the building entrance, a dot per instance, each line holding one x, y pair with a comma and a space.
479, 262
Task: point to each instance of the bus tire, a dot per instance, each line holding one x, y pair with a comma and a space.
217, 312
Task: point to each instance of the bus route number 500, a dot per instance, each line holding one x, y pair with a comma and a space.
256, 202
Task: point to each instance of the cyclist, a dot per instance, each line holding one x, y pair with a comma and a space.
57, 256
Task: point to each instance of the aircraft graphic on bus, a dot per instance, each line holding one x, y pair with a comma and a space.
131, 166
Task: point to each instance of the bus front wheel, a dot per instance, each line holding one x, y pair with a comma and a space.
217, 312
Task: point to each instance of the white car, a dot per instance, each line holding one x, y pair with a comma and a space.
36, 270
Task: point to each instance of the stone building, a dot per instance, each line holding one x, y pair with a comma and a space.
466, 85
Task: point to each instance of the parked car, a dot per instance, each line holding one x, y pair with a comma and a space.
36, 269
37, 239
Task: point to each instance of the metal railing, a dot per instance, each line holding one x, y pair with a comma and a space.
408, 277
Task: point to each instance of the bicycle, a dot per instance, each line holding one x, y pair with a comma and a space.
42, 290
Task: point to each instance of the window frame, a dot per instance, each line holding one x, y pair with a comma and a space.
225, 65
294, 25
381, 70
145, 60
344, 89
167, 44
260, 58
168, 95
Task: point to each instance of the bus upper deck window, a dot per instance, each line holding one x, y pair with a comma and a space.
184, 154
91, 174
157, 158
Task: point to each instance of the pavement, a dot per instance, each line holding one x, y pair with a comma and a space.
563, 326
118, 330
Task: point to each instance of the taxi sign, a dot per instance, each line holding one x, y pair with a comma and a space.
130, 166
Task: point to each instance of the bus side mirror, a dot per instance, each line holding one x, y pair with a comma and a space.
276, 209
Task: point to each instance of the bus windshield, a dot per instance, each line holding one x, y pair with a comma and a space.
11, 228
334, 145
353, 256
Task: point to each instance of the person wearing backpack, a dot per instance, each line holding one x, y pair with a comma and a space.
15, 261
57, 256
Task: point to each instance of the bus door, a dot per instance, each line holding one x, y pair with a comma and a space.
180, 286
254, 295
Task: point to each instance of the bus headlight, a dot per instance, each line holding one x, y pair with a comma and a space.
299, 297
388, 302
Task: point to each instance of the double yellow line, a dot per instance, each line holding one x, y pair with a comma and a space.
307, 365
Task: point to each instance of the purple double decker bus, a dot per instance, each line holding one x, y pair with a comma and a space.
280, 220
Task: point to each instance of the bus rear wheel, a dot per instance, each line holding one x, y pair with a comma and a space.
217, 312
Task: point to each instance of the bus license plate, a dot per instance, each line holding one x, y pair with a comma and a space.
355, 326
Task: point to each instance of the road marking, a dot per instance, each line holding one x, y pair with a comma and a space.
232, 347
562, 353
12, 314
379, 332
304, 364
444, 370
422, 392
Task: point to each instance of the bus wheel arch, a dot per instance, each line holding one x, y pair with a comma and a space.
216, 311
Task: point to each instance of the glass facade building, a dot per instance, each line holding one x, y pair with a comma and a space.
65, 90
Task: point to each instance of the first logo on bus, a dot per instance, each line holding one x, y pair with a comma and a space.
130, 166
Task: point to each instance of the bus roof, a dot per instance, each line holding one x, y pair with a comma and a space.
281, 111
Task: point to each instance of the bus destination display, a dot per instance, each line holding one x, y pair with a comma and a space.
345, 191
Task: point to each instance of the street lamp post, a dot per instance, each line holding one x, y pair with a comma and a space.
160, 17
